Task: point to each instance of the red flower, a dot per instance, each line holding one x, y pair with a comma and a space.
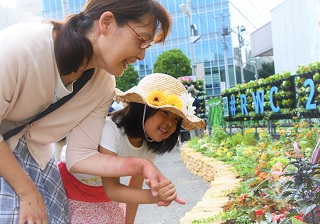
259, 212
299, 218
242, 197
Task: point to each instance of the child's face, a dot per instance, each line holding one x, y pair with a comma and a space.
161, 125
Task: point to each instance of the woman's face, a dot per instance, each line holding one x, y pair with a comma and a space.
161, 125
119, 46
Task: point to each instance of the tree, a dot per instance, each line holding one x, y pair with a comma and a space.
129, 79
267, 69
174, 63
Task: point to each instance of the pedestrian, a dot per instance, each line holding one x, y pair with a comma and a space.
44, 64
148, 126
197, 108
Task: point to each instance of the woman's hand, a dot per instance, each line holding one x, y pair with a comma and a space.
32, 208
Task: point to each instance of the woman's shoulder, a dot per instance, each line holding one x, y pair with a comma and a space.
26, 41
26, 31
103, 78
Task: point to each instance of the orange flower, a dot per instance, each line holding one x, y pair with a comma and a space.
276, 177
262, 163
263, 175
308, 135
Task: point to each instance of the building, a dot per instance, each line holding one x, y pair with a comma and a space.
204, 36
292, 37
208, 18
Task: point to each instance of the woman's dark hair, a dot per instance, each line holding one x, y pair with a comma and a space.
130, 118
72, 47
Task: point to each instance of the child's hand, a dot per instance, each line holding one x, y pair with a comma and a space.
167, 193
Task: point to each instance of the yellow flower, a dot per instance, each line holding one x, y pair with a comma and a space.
95, 179
156, 98
173, 100
219, 152
229, 154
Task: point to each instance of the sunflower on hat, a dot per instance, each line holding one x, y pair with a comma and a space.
161, 91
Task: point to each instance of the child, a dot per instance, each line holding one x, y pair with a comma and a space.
149, 125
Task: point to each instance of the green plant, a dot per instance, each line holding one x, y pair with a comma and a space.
249, 138
236, 139
219, 134
302, 190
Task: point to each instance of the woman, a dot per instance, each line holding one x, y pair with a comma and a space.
40, 63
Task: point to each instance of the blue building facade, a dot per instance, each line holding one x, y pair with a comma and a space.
209, 16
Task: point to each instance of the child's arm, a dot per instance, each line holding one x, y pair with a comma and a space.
164, 188
128, 194
131, 209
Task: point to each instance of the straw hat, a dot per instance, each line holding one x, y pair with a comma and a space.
161, 91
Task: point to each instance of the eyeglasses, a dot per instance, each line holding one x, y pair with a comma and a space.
144, 43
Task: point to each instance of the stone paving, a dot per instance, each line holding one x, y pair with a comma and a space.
222, 179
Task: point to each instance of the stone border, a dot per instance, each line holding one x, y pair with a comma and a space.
222, 179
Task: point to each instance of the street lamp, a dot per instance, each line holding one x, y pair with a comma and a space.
193, 38
240, 39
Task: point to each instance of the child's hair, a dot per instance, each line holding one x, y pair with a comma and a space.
130, 118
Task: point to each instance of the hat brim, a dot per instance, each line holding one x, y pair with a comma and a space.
189, 122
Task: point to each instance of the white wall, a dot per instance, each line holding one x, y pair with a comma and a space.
261, 41
295, 34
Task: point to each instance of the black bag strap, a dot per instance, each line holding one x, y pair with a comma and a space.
77, 85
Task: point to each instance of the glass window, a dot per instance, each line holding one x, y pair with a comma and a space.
201, 3
203, 28
207, 72
216, 80
211, 24
217, 91
205, 51
209, 3
218, 20
169, 5
208, 81
220, 48
213, 50
141, 74
209, 92
197, 52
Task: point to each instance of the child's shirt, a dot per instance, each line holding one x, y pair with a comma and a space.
116, 140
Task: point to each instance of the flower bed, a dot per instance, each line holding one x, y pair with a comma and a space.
280, 182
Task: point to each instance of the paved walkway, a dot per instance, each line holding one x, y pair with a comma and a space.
190, 187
